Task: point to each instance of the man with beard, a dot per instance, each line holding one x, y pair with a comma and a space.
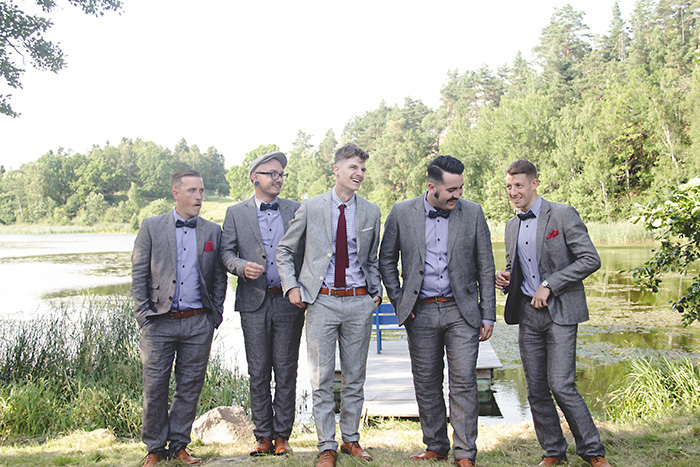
446, 302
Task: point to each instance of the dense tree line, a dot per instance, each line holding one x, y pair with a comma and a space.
110, 183
611, 121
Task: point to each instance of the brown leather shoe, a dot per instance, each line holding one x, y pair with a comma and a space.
429, 455
599, 461
152, 459
552, 460
263, 447
183, 456
466, 462
354, 449
327, 458
282, 447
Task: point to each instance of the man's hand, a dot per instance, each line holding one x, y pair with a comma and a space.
485, 332
502, 279
253, 270
540, 298
295, 298
377, 301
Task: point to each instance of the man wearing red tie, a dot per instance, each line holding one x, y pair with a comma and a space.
339, 283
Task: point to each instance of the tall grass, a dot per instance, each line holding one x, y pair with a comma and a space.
611, 233
654, 389
78, 367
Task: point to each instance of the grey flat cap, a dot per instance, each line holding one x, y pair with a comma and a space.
268, 157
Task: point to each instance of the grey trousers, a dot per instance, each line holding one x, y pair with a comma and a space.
440, 327
272, 334
548, 353
347, 321
187, 342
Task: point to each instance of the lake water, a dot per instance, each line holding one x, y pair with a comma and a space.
38, 269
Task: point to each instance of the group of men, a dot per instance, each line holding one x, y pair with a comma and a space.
320, 262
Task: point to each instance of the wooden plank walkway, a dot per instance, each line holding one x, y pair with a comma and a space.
389, 383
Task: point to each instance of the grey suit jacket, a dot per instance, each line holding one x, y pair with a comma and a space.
311, 229
154, 267
241, 242
469, 259
564, 260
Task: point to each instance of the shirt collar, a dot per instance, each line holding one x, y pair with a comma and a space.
536, 207
177, 216
337, 202
258, 202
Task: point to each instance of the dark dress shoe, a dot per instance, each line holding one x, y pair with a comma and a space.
552, 460
354, 449
152, 459
466, 462
282, 447
263, 447
183, 456
429, 455
327, 458
598, 461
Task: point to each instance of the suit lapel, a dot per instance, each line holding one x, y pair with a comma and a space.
455, 228
287, 213
419, 226
327, 218
251, 214
542, 222
361, 219
171, 240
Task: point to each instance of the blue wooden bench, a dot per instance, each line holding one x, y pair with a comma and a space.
384, 319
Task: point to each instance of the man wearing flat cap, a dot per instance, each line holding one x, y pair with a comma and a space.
271, 325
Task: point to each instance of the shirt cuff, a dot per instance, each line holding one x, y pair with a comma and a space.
488, 321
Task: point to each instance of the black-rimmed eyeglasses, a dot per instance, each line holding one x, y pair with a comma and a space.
274, 175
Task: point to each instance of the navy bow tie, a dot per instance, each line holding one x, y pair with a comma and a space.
192, 223
266, 206
526, 215
439, 212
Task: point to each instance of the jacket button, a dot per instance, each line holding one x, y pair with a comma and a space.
264, 257
420, 272
174, 281
170, 298
415, 292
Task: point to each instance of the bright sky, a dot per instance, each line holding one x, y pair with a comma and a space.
236, 74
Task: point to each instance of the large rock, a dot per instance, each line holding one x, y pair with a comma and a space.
222, 425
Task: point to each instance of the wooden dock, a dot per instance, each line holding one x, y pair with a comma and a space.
389, 383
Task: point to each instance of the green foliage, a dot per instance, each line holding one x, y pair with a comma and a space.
676, 225
94, 210
157, 207
655, 389
79, 368
23, 39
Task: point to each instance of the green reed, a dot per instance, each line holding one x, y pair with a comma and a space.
653, 389
78, 367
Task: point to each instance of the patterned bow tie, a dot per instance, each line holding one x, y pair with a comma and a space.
192, 223
438, 212
266, 206
526, 215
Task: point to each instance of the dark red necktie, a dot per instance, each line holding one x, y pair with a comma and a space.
341, 249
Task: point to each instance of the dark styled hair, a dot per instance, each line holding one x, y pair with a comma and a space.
350, 150
444, 164
522, 166
176, 178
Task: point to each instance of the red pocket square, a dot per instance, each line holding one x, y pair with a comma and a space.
209, 246
552, 234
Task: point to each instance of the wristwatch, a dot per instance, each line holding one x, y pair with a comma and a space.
546, 284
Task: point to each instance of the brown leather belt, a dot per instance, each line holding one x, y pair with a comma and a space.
344, 292
437, 299
274, 290
186, 314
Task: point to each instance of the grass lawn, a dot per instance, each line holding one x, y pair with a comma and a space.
673, 441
